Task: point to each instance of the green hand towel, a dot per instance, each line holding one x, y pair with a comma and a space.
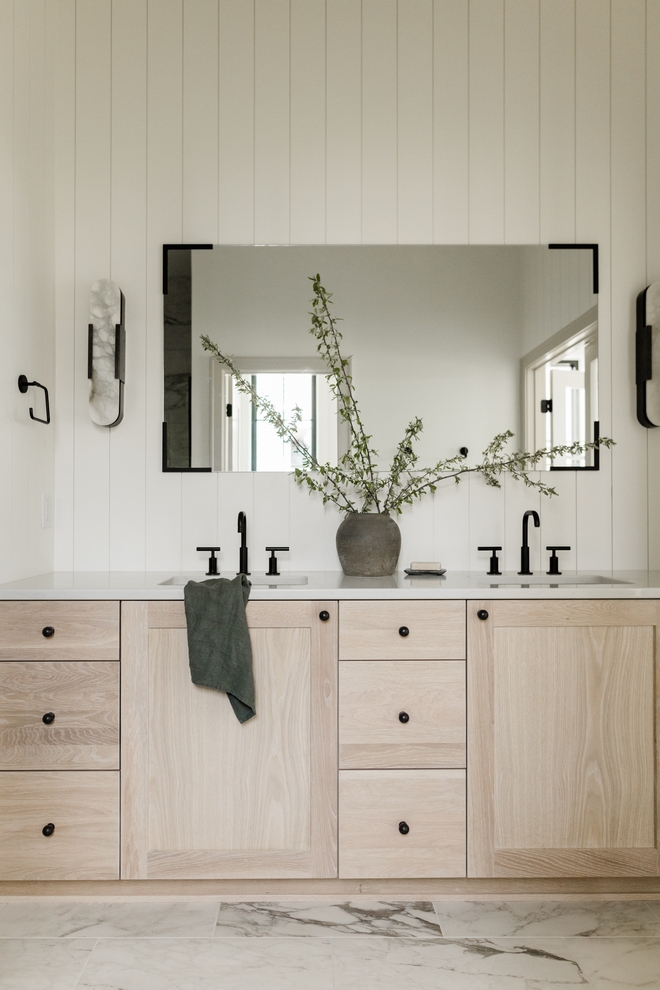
219, 647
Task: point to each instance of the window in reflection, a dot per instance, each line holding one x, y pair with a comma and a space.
245, 441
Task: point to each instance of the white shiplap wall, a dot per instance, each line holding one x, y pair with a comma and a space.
26, 327
341, 121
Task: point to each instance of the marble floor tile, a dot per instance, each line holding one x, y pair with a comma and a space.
452, 964
412, 919
209, 964
655, 907
606, 963
44, 964
499, 919
64, 919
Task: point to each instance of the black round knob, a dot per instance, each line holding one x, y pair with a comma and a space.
324, 616
404, 631
48, 829
48, 718
48, 631
482, 614
404, 717
404, 828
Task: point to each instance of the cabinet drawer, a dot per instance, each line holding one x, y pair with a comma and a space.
373, 694
82, 630
83, 807
84, 700
373, 804
377, 630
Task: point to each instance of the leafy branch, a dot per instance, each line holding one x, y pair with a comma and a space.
355, 484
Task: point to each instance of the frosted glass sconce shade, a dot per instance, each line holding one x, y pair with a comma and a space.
106, 348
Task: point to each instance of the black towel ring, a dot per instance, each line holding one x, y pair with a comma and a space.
23, 386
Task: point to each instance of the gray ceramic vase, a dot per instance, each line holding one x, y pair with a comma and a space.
368, 544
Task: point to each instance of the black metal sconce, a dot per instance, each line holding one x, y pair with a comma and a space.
23, 386
647, 356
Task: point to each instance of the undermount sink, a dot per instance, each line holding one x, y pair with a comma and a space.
553, 580
264, 580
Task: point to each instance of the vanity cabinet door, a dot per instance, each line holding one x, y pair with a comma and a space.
561, 739
206, 797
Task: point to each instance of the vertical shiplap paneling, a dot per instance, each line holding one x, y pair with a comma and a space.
199, 492
557, 98
629, 484
164, 226
415, 122
199, 517
379, 122
450, 122
128, 454
272, 101
63, 19
236, 192
271, 523
50, 102
417, 525
592, 184
487, 518
653, 245
8, 370
235, 122
200, 121
20, 236
521, 121
486, 121
503, 198
307, 188
93, 158
557, 223
40, 327
343, 121
558, 519
451, 524
415, 203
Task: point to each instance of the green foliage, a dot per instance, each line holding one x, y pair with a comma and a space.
355, 484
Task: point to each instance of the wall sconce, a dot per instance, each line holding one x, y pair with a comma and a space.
23, 386
647, 353
106, 353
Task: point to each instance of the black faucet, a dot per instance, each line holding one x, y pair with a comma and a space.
524, 550
243, 552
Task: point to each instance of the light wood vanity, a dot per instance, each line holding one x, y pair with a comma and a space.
59, 740
395, 740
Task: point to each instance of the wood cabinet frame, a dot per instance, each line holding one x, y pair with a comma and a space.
484, 859
138, 861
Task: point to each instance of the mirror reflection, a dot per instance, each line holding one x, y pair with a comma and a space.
473, 339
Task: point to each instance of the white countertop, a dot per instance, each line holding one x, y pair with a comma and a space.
320, 585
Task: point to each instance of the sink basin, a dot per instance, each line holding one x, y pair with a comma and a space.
553, 580
261, 580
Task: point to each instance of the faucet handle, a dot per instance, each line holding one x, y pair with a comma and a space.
554, 560
213, 563
494, 562
272, 560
